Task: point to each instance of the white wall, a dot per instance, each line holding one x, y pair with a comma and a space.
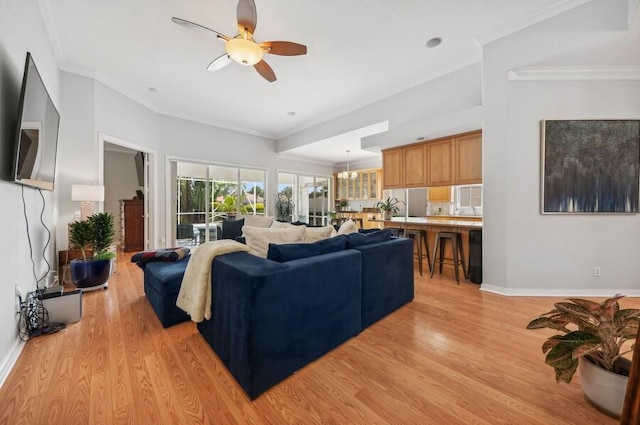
198, 142
525, 252
21, 30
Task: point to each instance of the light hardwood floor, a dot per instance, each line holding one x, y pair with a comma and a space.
455, 355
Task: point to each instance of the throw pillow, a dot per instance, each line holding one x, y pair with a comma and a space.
169, 254
294, 251
231, 229
280, 224
313, 234
256, 220
347, 227
359, 239
258, 238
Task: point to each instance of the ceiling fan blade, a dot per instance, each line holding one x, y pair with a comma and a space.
247, 15
284, 48
219, 63
192, 25
265, 70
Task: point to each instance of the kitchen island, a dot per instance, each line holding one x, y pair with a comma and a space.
435, 225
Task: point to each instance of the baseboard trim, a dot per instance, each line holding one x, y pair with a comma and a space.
10, 360
546, 292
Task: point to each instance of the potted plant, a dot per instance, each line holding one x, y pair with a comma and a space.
284, 208
596, 334
389, 207
95, 233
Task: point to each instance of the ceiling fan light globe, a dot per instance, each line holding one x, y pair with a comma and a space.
244, 51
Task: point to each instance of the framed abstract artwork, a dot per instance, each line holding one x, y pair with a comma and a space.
590, 166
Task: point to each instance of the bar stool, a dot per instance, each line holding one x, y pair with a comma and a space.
420, 238
456, 248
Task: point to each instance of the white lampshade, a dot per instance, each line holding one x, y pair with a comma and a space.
86, 192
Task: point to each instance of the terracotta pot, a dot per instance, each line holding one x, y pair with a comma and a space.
604, 389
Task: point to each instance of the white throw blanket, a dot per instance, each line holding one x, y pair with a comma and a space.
195, 291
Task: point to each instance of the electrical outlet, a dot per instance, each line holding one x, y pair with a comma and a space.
596, 271
77, 215
19, 292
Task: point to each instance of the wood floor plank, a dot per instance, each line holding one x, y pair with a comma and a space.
455, 355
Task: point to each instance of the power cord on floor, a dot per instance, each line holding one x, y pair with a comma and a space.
33, 318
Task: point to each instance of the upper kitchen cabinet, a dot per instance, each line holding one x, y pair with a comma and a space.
453, 160
415, 173
439, 161
366, 186
393, 168
468, 152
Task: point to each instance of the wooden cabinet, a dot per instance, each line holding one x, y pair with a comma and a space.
440, 163
393, 168
415, 173
366, 186
455, 160
439, 194
468, 153
132, 224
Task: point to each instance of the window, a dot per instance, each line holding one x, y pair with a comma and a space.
310, 196
469, 197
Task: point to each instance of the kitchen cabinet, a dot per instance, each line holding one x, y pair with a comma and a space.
440, 163
415, 173
468, 152
393, 168
132, 224
455, 160
439, 194
366, 186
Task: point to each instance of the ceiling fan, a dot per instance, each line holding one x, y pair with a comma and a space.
242, 48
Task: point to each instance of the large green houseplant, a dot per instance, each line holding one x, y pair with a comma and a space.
284, 208
95, 233
389, 207
597, 334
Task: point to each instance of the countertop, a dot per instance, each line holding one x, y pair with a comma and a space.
433, 222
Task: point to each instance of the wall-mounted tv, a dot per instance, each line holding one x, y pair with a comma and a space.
34, 160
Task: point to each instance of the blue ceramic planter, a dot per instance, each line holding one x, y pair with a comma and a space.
86, 274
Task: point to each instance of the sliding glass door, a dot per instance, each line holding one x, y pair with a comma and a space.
310, 195
207, 194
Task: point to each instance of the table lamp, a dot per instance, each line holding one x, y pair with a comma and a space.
88, 195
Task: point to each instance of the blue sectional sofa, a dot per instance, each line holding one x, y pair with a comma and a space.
269, 319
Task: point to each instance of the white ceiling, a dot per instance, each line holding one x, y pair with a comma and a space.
358, 52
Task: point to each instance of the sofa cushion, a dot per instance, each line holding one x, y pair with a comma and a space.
294, 251
347, 227
165, 278
256, 220
231, 229
280, 224
359, 239
313, 234
258, 238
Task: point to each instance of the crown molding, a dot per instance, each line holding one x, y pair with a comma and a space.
45, 12
575, 73
527, 21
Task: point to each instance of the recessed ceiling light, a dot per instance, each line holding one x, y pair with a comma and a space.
434, 42
152, 89
291, 113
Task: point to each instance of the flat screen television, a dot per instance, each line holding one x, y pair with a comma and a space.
36, 142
